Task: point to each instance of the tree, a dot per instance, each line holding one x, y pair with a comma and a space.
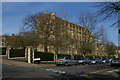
109, 11
86, 48
30, 21
28, 31
64, 15
111, 48
88, 20
44, 29
28, 39
13, 41
101, 34
53, 31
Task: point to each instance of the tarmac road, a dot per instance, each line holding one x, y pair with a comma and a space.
90, 72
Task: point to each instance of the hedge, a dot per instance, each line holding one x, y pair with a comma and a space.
77, 57
89, 56
44, 56
104, 57
2, 51
17, 53
97, 56
63, 55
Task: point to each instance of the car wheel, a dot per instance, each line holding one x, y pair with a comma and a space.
83, 63
66, 64
76, 64
57, 64
111, 64
89, 63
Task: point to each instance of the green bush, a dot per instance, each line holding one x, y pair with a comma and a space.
17, 53
63, 55
104, 57
44, 56
110, 56
2, 51
89, 56
97, 56
77, 57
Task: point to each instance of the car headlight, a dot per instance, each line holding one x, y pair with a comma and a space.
80, 61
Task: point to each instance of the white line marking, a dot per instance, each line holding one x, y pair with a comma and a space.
56, 70
115, 70
49, 69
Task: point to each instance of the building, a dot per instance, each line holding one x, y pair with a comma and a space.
2, 41
4, 38
75, 35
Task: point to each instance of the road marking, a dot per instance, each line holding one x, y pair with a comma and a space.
100, 71
56, 71
49, 69
115, 70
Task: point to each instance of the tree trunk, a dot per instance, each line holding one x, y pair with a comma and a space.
56, 52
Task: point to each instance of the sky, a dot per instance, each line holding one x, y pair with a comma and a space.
13, 14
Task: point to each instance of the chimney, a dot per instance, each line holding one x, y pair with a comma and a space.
13, 35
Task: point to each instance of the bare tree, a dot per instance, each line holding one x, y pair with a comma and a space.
109, 11
111, 48
31, 21
88, 20
28, 31
64, 15
101, 34
86, 48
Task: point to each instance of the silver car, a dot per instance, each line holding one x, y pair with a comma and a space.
84, 61
115, 61
95, 61
66, 61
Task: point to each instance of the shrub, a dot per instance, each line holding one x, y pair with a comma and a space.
17, 52
44, 56
89, 56
77, 57
97, 56
63, 55
2, 51
104, 57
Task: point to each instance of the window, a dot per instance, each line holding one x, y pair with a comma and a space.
3, 39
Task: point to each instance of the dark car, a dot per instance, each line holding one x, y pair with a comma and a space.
84, 61
115, 61
66, 61
105, 60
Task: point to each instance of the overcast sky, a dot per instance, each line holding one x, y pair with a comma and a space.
13, 14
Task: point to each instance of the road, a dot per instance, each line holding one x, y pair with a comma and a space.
90, 72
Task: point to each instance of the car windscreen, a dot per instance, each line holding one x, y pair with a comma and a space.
116, 59
82, 58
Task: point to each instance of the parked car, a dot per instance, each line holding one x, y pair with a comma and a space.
110, 59
84, 61
105, 60
95, 61
115, 61
66, 61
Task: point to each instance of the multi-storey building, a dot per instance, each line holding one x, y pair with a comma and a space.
74, 34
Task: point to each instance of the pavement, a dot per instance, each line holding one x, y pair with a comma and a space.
14, 62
